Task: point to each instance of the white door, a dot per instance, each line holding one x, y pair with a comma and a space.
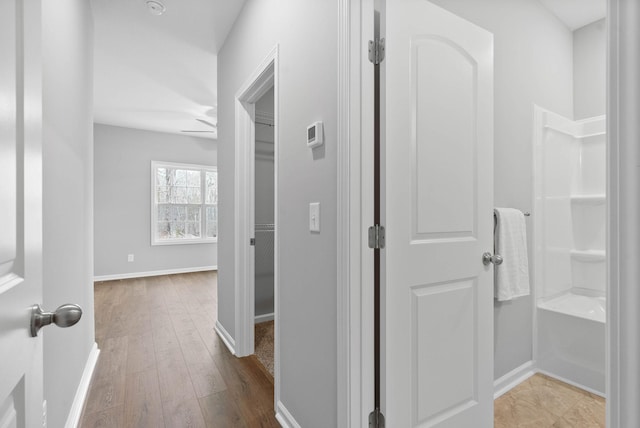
20, 212
437, 100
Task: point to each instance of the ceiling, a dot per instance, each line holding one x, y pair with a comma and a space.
159, 72
577, 13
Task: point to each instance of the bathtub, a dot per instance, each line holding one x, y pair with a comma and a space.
571, 340
577, 305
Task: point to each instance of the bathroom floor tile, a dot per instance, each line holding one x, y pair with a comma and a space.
542, 401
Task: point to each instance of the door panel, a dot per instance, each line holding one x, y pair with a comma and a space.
444, 349
21, 213
438, 212
443, 134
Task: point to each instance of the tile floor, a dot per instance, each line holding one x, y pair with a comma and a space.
541, 402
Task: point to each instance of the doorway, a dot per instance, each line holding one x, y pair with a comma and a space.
509, 153
264, 229
256, 237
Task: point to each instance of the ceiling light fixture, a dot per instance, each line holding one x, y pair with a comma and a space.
155, 7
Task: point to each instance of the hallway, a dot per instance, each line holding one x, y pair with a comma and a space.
161, 363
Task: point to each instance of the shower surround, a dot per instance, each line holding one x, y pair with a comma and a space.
569, 241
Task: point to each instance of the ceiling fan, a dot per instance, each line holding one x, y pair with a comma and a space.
206, 122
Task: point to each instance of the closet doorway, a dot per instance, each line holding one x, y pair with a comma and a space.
256, 226
264, 230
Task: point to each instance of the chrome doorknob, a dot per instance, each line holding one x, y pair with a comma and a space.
65, 316
489, 258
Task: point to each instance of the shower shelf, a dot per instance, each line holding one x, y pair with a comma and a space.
588, 255
595, 199
593, 138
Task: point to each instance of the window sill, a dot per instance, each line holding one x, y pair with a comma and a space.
184, 241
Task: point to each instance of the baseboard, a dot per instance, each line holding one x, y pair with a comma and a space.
153, 273
284, 417
513, 378
226, 337
264, 318
83, 388
570, 382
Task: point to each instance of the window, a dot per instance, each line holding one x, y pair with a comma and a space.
184, 203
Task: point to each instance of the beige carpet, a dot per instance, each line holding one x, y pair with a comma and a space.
264, 344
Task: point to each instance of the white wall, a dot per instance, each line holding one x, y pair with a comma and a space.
306, 31
68, 192
123, 200
533, 64
590, 70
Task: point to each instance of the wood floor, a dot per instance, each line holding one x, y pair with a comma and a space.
544, 402
162, 365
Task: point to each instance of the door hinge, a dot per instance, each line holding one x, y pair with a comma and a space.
376, 419
376, 51
376, 237
252, 242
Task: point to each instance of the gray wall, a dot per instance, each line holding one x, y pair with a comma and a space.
123, 200
307, 284
67, 198
533, 64
590, 70
264, 207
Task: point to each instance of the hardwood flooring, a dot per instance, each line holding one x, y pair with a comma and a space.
544, 402
162, 365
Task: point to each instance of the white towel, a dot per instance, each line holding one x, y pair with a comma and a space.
512, 276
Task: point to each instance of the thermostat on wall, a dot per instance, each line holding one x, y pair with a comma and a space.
315, 135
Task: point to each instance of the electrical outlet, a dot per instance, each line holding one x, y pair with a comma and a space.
130, 258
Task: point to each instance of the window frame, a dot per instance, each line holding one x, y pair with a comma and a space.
203, 205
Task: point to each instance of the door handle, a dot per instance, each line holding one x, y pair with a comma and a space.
65, 316
491, 258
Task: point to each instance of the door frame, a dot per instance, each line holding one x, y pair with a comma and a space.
261, 80
623, 209
354, 214
355, 211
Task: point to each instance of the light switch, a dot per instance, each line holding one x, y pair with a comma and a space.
314, 217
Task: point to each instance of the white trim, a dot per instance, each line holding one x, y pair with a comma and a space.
264, 318
153, 273
535, 223
276, 260
73, 419
284, 417
343, 267
226, 337
512, 379
359, 303
623, 210
186, 241
258, 83
524, 372
571, 382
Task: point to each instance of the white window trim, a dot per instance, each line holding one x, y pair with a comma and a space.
154, 211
